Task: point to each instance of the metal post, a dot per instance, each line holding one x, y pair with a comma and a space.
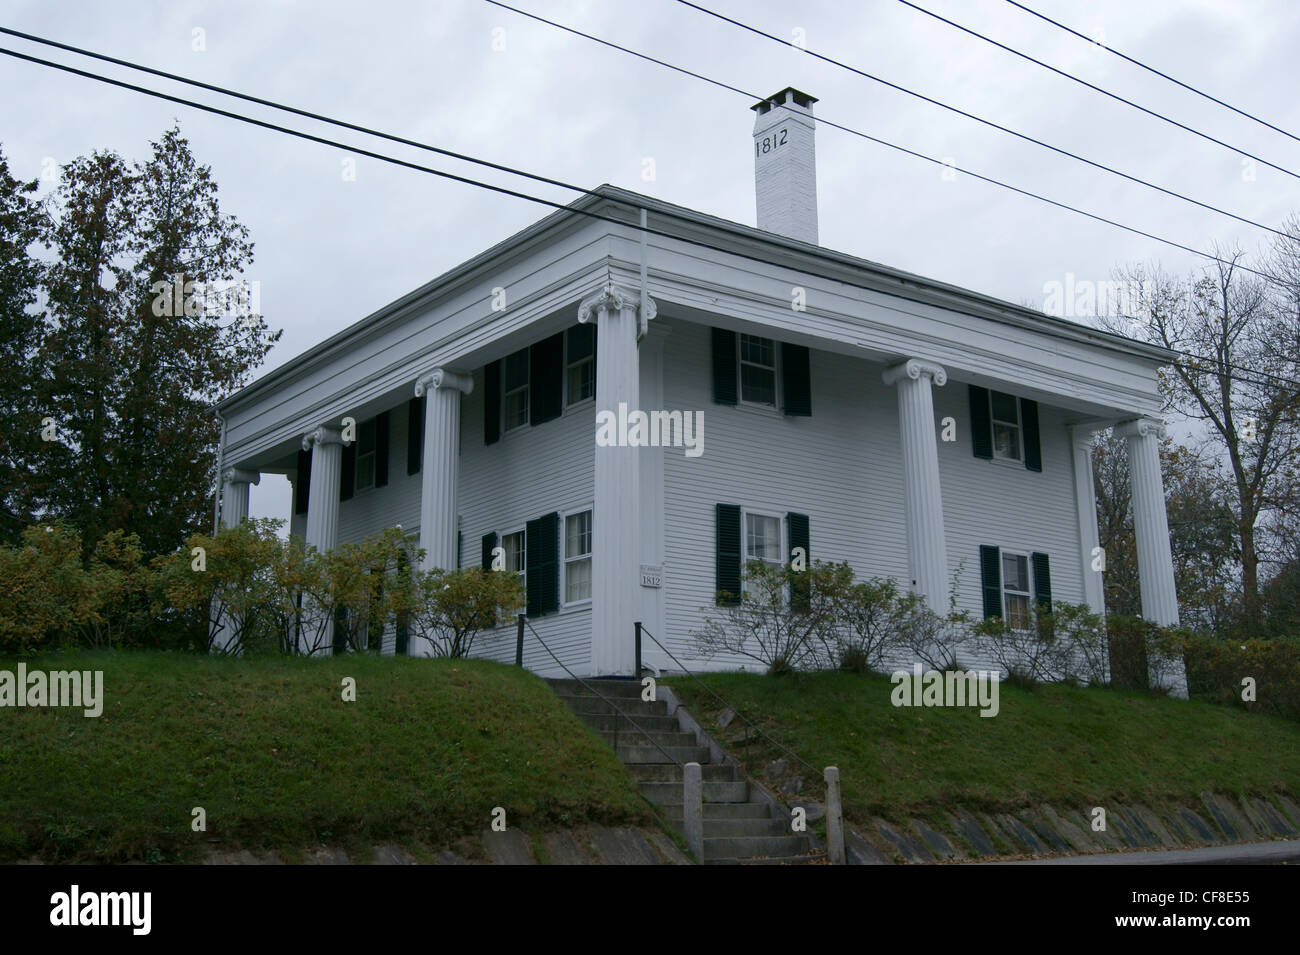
693, 809
834, 817
519, 643
637, 672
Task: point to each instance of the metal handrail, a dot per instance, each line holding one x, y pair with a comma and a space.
523, 621
641, 628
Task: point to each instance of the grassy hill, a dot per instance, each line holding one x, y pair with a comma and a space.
1056, 744
277, 760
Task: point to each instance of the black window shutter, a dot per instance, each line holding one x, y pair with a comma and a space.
460, 546
1042, 580
981, 423
492, 402
348, 471
991, 580
727, 573
546, 380
489, 545
796, 380
724, 367
542, 563
303, 483
1033, 446
798, 532
382, 434
415, 434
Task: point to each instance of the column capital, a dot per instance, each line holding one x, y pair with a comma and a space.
321, 435
1141, 427
444, 378
234, 475
914, 368
614, 297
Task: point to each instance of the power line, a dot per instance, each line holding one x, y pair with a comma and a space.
883, 142
979, 119
452, 176
1105, 92
1152, 69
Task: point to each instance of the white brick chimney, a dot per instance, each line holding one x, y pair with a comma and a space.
785, 165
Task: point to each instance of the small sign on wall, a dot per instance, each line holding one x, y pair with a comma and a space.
652, 575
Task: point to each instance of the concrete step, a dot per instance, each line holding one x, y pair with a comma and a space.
672, 773
631, 736
745, 828
749, 847
720, 811
608, 722
808, 858
670, 794
622, 689
583, 705
646, 753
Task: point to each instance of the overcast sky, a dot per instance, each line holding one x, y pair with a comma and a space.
472, 77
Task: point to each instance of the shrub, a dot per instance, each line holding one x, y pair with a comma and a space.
1127, 642
447, 609
767, 625
930, 637
45, 593
1216, 669
872, 619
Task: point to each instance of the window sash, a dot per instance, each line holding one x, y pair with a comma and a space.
516, 554
763, 538
1015, 591
577, 557
1004, 415
757, 370
580, 377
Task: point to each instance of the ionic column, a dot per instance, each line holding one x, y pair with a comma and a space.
440, 468
1151, 531
927, 547
326, 447
234, 495
616, 545
1085, 501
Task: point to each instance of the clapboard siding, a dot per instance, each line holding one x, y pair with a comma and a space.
843, 468
369, 511
527, 473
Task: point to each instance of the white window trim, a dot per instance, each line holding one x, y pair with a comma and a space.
564, 558
564, 384
782, 530
1029, 578
526, 388
501, 542
775, 407
356, 461
1020, 431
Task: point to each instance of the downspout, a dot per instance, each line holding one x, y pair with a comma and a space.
221, 454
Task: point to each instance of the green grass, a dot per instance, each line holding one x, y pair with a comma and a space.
1067, 746
279, 762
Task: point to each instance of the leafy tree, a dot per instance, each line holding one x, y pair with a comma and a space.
131, 370
20, 278
1239, 376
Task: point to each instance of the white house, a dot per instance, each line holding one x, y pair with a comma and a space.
820, 384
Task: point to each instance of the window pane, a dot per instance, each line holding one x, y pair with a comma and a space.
1015, 572
1006, 441
757, 384
762, 538
517, 409
582, 342
582, 381
514, 548
1004, 408
365, 470
577, 577
577, 534
517, 370
760, 351
366, 437
1018, 611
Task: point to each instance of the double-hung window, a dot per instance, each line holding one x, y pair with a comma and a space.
365, 455
577, 557
757, 370
1006, 426
515, 381
1015, 590
515, 554
579, 363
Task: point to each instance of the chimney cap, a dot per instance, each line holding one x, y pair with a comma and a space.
784, 97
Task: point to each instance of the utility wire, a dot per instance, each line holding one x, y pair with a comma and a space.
274, 127
1152, 69
1105, 92
979, 119
883, 142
